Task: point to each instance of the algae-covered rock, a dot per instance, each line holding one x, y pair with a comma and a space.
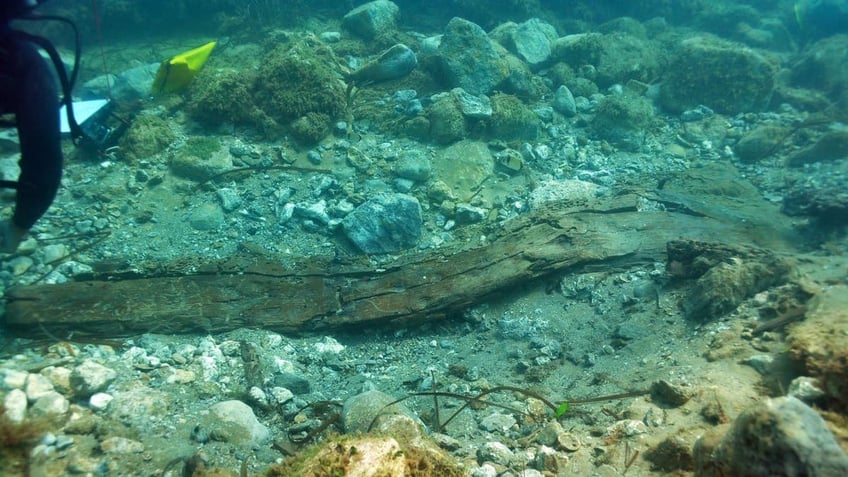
531, 40
295, 81
223, 96
469, 59
512, 119
311, 128
761, 142
462, 168
781, 436
201, 158
447, 124
148, 135
372, 19
623, 119
824, 66
613, 55
725, 76
394, 63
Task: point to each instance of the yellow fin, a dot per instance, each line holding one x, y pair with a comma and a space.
176, 73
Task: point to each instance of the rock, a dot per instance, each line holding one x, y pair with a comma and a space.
199, 168
564, 102
233, 421
670, 455
760, 142
129, 85
91, 377
671, 394
469, 59
37, 386
363, 409
497, 422
611, 56
469, 214
394, 63
495, 452
781, 436
724, 76
50, 404
823, 66
295, 383
572, 191
206, 217
724, 286
414, 166
472, 107
99, 401
121, 445
15, 406
825, 197
372, 19
622, 119
806, 389
463, 167
831, 146
532, 41
385, 223
230, 198
447, 124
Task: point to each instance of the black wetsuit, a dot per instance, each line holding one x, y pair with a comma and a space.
28, 90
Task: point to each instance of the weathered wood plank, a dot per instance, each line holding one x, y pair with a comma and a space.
319, 294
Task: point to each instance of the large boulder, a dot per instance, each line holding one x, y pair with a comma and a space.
780, 436
727, 77
372, 19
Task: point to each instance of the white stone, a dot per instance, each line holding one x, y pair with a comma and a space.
281, 395
13, 379
100, 401
37, 386
234, 421
15, 406
91, 377
329, 345
50, 404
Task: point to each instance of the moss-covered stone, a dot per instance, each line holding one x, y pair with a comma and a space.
622, 119
512, 119
220, 96
311, 128
147, 136
295, 81
617, 57
446, 121
725, 76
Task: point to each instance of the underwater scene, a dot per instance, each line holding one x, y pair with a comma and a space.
424, 238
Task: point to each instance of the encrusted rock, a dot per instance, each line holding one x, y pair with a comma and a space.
780, 436
372, 19
385, 223
668, 393
469, 59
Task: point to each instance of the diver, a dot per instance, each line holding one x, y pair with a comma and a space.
29, 92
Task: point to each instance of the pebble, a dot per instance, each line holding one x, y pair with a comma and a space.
121, 445
99, 401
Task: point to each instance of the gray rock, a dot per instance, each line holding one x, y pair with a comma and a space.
91, 377
295, 383
462, 167
385, 223
497, 422
371, 19
564, 102
206, 217
129, 85
469, 59
469, 214
394, 63
414, 166
531, 41
229, 197
474, 107
780, 436
361, 410
495, 452
234, 421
